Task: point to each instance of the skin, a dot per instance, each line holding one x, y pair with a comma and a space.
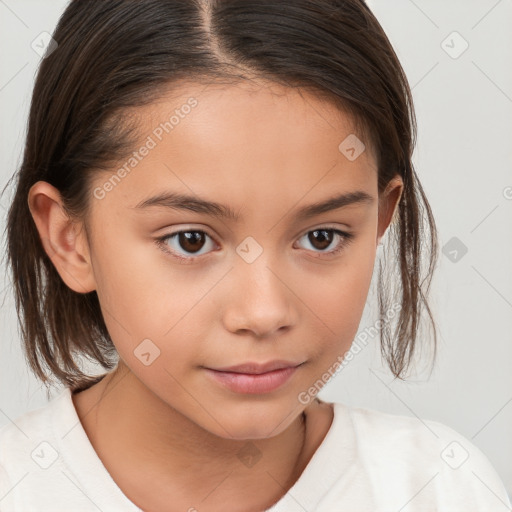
166, 432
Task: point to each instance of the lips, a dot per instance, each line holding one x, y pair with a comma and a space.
255, 368
253, 383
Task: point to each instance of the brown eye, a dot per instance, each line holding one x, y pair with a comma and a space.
191, 241
185, 245
321, 239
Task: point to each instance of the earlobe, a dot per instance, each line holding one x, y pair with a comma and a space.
62, 239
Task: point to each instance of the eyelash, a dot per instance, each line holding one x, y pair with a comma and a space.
347, 238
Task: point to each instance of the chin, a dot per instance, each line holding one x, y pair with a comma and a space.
249, 433
253, 422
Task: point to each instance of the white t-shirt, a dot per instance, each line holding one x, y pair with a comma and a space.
369, 461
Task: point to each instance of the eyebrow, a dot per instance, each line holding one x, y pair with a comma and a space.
176, 201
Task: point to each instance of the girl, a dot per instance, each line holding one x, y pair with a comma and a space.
276, 137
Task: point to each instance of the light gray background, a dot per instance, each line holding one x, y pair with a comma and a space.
463, 158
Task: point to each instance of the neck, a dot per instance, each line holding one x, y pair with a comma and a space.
179, 456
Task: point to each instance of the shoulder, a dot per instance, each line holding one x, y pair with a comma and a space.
32, 425
399, 451
28, 444
411, 437
47, 463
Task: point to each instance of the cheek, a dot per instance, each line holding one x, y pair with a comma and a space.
134, 280
145, 297
130, 304
336, 297
339, 293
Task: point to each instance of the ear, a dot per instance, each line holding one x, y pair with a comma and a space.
63, 240
388, 204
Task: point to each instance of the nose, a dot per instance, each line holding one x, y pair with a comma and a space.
259, 300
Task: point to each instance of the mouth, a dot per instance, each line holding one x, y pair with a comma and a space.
253, 378
254, 368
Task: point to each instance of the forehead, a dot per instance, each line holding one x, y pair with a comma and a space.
259, 107
244, 144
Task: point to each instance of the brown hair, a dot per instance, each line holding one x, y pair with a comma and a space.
113, 55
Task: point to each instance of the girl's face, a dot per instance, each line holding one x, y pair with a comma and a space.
262, 283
